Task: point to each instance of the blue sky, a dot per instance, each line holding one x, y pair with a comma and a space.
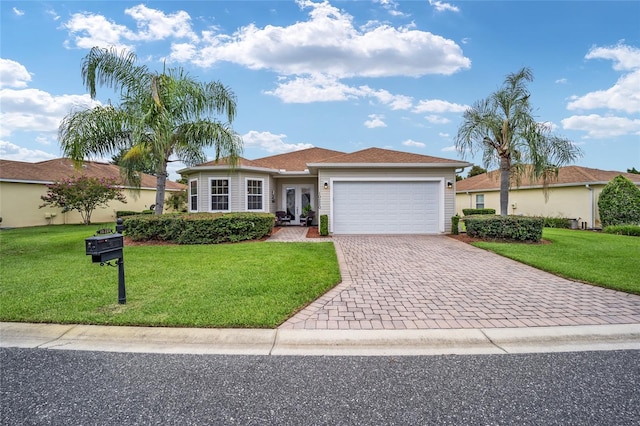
343, 75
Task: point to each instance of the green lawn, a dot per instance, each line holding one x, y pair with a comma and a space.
611, 261
46, 277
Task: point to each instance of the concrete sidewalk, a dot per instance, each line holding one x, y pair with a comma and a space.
320, 342
399, 295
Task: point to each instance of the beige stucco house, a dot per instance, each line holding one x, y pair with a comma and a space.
373, 191
573, 195
22, 184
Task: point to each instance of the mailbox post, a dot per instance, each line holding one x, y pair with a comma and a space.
107, 246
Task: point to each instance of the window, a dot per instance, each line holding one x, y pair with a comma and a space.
480, 201
219, 194
193, 195
254, 194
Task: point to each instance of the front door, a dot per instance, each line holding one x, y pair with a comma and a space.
295, 199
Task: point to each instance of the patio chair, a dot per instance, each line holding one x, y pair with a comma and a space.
282, 217
308, 220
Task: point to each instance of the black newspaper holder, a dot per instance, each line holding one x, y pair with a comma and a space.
106, 246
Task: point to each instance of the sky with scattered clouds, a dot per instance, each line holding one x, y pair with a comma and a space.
342, 75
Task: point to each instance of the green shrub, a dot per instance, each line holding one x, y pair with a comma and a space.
324, 225
619, 203
631, 230
199, 228
123, 213
557, 222
455, 220
469, 212
517, 228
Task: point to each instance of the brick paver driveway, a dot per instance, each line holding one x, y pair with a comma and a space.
424, 282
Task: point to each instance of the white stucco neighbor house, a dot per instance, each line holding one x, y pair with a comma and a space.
373, 191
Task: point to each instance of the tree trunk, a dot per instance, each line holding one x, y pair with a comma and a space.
160, 188
505, 169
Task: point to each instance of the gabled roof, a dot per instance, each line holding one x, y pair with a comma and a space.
387, 156
297, 160
242, 162
567, 176
63, 168
307, 161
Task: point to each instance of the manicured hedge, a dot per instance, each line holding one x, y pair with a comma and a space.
518, 228
631, 230
557, 222
123, 213
455, 221
199, 228
469, 212
324, 225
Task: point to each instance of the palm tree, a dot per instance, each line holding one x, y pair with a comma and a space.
504, 127
161, 116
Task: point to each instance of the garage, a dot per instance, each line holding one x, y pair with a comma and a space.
386, 207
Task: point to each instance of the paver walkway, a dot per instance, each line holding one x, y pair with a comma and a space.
427, 282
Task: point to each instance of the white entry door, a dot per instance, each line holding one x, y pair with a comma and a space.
295, 198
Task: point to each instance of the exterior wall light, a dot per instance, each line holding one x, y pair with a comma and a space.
325, 185
449, 184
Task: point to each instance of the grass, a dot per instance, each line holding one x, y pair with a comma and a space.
605, 260
46, 277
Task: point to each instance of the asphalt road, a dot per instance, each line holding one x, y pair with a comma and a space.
61, 387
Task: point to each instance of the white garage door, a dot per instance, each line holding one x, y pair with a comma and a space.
385, 207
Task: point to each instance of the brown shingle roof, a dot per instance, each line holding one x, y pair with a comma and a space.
568, 175
242, 162
62, 168
297, 160
379, 155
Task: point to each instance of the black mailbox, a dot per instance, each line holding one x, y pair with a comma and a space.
103, 248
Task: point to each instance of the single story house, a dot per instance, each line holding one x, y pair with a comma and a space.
574, 194
22, 184
373, 191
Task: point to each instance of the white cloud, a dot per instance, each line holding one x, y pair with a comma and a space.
391, 7
449, 149
87, 30
622, 96
321, 88
314, 88
441, 6
375, 120
271, 142
18, 12
439, 106
53, 14
155, 25
437, 119
10, 151
561, 81
413, 143
13, 74
36, 110
329, 43
598, 126
444, 135
625, 57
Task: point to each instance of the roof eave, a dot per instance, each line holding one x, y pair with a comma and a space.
387, 165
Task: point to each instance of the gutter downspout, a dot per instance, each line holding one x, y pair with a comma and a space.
470, 206
590, 205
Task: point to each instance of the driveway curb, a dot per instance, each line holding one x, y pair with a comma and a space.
320, 342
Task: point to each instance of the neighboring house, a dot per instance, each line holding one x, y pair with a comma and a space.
574, 194
373, 191
22, 184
